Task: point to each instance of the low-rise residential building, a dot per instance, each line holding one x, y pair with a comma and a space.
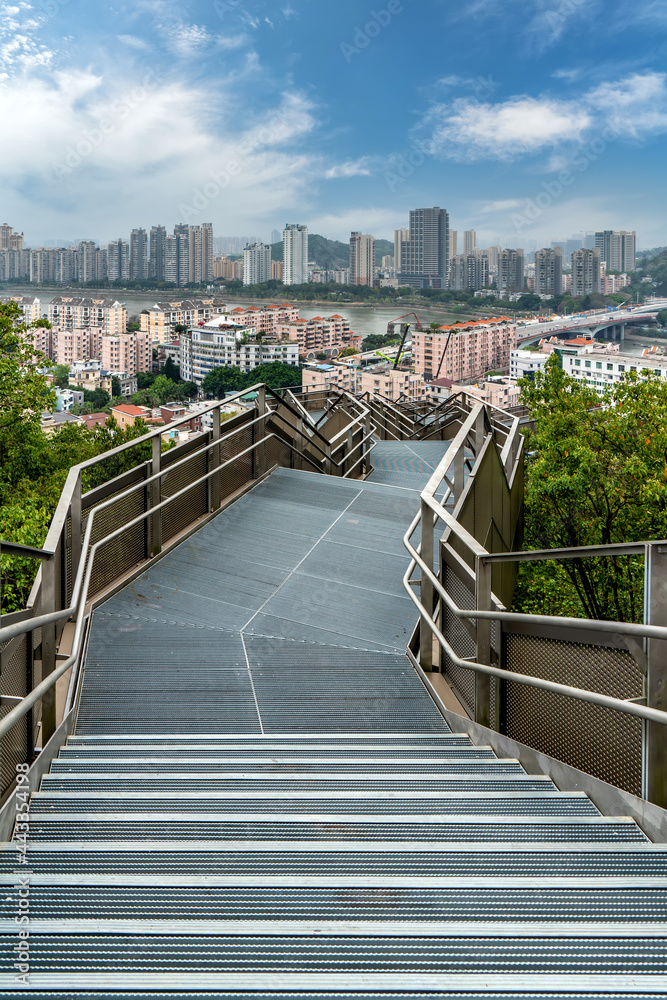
268, 319
89, 375
127, 352
494, 391
70, 312
464, 351
69, 346
161, 320
379, 380
525, 363
320, 335
221, 342
127, 414
29, 305
67, 398
601, 369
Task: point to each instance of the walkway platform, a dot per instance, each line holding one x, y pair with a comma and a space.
261, 800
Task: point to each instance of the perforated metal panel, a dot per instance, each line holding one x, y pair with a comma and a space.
124, 552
15, 747
599, 741
182, 512
461, 681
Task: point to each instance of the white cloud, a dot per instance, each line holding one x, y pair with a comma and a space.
500, 206
468, 130
146, 147
351, 168
133, 42
184, 40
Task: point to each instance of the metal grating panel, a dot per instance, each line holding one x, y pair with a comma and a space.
599, 741
16, 746
177, 516
462, 681
124, 552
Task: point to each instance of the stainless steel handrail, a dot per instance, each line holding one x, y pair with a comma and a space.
83, 582
617, 628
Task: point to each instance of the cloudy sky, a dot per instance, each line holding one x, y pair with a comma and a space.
529, 120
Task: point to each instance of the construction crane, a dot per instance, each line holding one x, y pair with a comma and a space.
404, 333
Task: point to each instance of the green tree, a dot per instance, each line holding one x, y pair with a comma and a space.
171, 370
61, 373
348, 352
145, 380
115, 386
596, 475
662, 317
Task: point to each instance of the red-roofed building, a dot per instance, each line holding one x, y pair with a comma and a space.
321, 336
127, 413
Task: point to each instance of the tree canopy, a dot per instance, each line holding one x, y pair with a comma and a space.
596, 474
228, 378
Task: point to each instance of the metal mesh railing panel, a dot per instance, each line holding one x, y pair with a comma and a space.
124, 552
277, 453
177, 516
602, 742
16, 745
461, 680
240, 472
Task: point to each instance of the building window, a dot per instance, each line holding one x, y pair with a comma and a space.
587, 364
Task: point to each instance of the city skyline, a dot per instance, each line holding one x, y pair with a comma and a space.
532, 121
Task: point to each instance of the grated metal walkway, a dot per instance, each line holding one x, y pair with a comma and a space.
261, 800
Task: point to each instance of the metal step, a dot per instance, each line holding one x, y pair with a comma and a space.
391, 802
386, 903
136, 827
170, 781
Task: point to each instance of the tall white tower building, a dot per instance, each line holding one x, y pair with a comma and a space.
295, 255
256, 264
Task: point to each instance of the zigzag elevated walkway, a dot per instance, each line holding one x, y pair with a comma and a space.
261, 800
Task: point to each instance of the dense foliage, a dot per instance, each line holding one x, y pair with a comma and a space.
596, 475
228, 378
34, 466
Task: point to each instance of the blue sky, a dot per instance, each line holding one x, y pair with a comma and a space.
528, 120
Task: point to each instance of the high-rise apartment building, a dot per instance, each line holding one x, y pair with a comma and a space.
256, 264
118, 260
585, 272
617, 249
138, 255
401, 236
157, 251
425, 256
362, 259
182, 236
469, 271
75, 313
170, 272
9, 240
549, 271
295, 254
91, 262
469, 240
127, 352
453, 243
510, 270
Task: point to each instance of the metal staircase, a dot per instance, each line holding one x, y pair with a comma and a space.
328, 866
262, 799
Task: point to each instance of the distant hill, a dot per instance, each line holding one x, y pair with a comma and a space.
330, 254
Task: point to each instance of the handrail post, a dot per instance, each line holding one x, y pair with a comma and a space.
155, 494
259, 454
48, 602
426, 589
483, 572
214, 462
655, 735
75, 531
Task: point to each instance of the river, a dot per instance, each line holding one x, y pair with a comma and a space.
363, 320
